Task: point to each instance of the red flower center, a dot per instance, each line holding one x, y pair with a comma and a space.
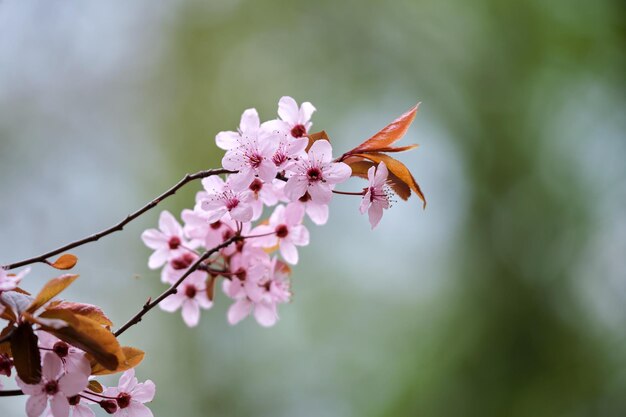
109, 406
190, 291
183, 261
123, 399
61, 349
314, 174
174, 242
282, 231
255, 160
298, 131
51, 387
256, 185
74, 400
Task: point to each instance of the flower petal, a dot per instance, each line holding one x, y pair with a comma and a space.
59, 405
238, 311
288, 110
191, 313
289, 251
144, 392
36, 404
249, 122
265, 314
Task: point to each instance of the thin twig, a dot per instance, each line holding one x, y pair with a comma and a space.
11, 393
150, 304
119, 226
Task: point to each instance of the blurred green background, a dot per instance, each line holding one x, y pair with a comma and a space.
505, 297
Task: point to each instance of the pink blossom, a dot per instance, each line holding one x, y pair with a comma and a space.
167, 242
250, 152
222, 198
9, 282
190, 297
317, 212
265, 194
285, 229
376, 197
174, 266
261, 293
130, 396
73, 359
54, 386
297, 121
316, 174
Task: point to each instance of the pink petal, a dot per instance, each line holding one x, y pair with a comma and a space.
52, 367
337, 172
36, 404
158, 258
203, 301
267, 171
191, 313
213, 184
265, 314
238, 311
154, 239
289, 251
59, 405
288, 110
242, 213
73, 383
127, 381
322, 151
249, 121
294, 214
375, 214
215, 215
320, 193
81, 410
318, 213
172, 302
136, 409
144, 392
29, 389
381, 175
169, 225
296, 187
227, 140
365, 201
299, 235
297, 145
306, 111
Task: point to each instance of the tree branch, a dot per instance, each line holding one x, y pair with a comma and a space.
150, 304
119, 226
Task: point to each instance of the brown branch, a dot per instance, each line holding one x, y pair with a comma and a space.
150, 304
119, 226
11, 393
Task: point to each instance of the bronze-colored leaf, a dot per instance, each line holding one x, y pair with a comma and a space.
88, 310
389, 134
132, 358
66, 261
398, 169
26, 357
5, 347
15, 304
359, 166
210, 287
88, 335
315, 137
95, 386
398, 148
50, 290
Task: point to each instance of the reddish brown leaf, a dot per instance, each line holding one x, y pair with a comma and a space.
66, 261
50, 290
132, 358
26, 357
399, 170
5, 347
95, 386
389, 134
397, 149
87, 310
315, 137
86, 334
210, 287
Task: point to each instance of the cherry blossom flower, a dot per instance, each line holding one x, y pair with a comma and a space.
222, 198
73, 359
190, 297
297, 121
174, 266
167, 242
54, 386
130, 396
316, 174
289, 149
285, 229
376, 197
8, 282
261, 294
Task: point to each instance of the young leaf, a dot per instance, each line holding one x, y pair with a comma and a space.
399, 170
388, 135
26, 357
5, 347
94, 386
315, 137
132, 358
87, 310
66, 261
88, 335
210, 287
50, 290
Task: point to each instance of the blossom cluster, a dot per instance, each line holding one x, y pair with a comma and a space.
276, 169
